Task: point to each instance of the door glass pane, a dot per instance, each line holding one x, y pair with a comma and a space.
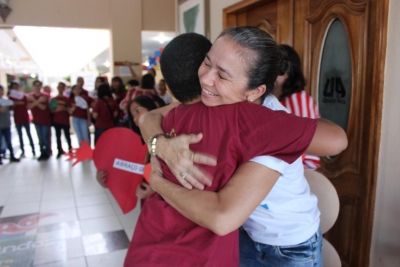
334, 92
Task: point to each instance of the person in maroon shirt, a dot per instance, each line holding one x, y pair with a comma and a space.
39, 106
81, 82
105, 110
163, 237
119, 92
79, 108
61, 119
21, 118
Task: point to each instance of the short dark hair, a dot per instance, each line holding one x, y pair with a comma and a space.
104, 90
133, 82
295, 81
149, 102
13, 83
153, 70
148, 81
61, 83
37, 81
262, 54
180, 62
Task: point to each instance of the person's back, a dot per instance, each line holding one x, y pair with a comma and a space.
289, 214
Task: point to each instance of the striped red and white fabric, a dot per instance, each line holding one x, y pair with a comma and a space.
303, 105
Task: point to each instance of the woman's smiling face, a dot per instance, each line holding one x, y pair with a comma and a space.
223, 73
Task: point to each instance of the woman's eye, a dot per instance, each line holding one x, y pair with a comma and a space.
222, 78
208, 65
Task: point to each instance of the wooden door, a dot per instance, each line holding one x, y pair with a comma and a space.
306, 24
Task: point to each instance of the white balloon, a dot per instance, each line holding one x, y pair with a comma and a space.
81, 102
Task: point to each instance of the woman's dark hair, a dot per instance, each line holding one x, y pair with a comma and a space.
262, 55
149, 102
104, 90
101, 79
295, 81
133, 82
71, 94
180, 62
121, 88
148, 81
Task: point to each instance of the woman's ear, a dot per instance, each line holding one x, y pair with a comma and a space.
256, 93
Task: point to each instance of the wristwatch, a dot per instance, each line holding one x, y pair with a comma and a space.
152, 144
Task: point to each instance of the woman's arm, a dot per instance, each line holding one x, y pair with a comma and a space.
224, 211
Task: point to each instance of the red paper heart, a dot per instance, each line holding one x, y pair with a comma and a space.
121, 153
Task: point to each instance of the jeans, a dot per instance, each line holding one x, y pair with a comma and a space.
6, 133
27, 127
61, 127
43, 133
97, 132
81, 129
308, 253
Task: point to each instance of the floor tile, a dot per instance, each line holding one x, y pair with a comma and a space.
129, 233
24, 197
129, 220
105, 242
54, 194
49, 251
74, 248
78, 262
22, 189
63, 230
115, 258
57, 204
95, 211
90, 200
20, 209
100, 225
3, 199
58, 216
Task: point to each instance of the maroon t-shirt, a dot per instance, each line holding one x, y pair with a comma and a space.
105, 119
61, 117
39, 115
80, 112
20, 109
118, 100
234, 134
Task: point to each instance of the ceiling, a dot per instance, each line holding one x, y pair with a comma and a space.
62, 51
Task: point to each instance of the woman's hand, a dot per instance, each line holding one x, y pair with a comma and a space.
144, 190
101, 177
180, 159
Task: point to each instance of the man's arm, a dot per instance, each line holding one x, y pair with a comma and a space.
224, 211
329, 139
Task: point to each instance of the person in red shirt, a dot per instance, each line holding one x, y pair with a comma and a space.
119, 92
79, 108
81, 82
234, 132
21, 116
39, 106
61, 119
289, 89
105, 110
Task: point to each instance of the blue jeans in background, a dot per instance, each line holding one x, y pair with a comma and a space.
306, 254
81, 129
27, 127
5, 134
43, 133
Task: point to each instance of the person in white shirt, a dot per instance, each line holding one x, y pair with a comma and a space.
162, 87
284, 229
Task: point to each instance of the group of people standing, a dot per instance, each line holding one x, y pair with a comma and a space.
104, 108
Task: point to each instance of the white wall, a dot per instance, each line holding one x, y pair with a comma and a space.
385, 246
216, 7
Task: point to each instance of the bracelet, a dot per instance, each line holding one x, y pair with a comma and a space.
152, 144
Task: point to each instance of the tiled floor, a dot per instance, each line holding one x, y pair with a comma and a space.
54, 215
